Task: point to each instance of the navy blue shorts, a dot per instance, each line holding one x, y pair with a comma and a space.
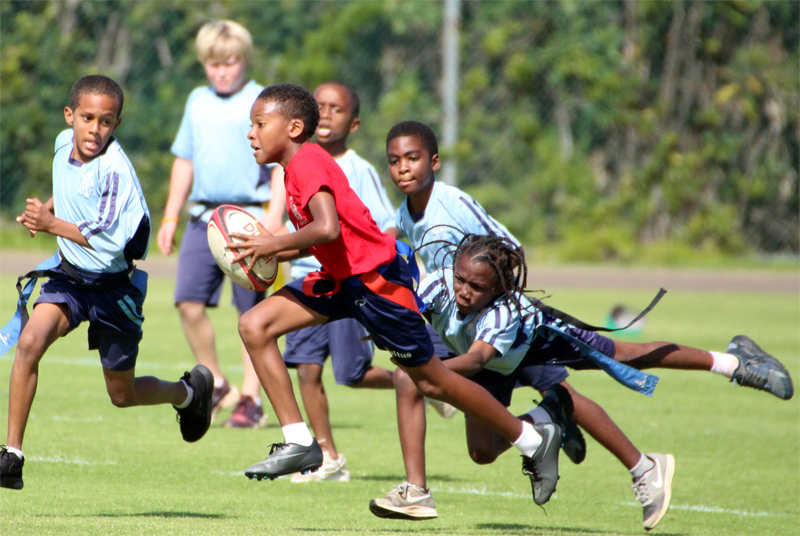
200, 279
115, 317
559, 351
350, 356
501, 386
393, 327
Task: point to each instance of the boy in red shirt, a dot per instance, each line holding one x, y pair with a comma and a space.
363, 278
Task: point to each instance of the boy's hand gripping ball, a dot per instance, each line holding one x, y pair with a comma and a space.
227, 219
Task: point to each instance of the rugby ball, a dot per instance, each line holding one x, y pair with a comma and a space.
227, 219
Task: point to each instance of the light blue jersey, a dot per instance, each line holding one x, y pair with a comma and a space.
104, 199
366, 183
213, 135
447, 206
499, 324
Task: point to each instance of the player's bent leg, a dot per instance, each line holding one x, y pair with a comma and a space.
315, 401
126, 390
48, 322
412, 428
199, 332
661, 354
483, 444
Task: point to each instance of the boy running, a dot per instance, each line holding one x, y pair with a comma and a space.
363, 278
102, 223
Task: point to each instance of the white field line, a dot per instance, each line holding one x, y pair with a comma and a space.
691, 508
61, 459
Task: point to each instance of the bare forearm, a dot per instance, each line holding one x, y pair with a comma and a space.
180, 184
69, 231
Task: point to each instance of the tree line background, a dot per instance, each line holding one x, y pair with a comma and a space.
595, 130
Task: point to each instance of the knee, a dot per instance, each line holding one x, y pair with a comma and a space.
122, 398
191, 311
430, 390
309, 375
249, 327
482, 457
30, 347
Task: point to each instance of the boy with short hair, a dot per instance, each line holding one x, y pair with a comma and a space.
100, 217
213, 167
307, 349
363, 278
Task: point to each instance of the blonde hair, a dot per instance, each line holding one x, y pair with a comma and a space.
222, 39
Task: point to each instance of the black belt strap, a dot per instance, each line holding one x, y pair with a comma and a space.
569, 319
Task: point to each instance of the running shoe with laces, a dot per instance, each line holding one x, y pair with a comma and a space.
558, 404
247, 414
654, 489
542, 467
223, 397
330, 470
196, 417
759, 370
285, 459
10, 469
406, 501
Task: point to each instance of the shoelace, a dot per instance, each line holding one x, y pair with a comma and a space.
641, 491
529, 468
751, 377
275, 446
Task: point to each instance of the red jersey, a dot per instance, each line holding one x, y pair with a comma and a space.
361, 246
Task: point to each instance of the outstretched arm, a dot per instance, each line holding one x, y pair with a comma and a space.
39, 216
474, 360
180, 184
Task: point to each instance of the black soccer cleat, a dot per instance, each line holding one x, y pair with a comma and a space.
542, 467
10, 469
558, 404
759, 370
285, 459
196, 417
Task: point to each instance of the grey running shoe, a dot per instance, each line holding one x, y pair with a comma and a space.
285, 459
10, 469
558, 404
196, 417
542, 467
406, 501
654, 489
758, 369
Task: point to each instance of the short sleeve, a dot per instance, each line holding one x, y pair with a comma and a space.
498, 327
433, 292
183, 146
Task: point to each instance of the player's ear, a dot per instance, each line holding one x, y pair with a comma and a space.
69, 117
296, 127
435, 163
116, 125
354, 124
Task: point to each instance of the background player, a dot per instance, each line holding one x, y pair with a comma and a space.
102, 224
213, 167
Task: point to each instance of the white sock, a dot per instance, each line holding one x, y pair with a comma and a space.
724, 364
644, 465
297, 433
189, 396
540, 415
219, 382
257, 400
16, 451
529, 440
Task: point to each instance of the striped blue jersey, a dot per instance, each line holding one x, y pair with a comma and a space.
499, 324
213, 135
366, 183
451, 207
104, 199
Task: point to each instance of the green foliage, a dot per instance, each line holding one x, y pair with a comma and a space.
664, 121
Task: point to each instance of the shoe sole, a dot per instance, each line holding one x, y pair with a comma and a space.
669, 472
209, 380
11, 482
301, 478
261, 476
411, 513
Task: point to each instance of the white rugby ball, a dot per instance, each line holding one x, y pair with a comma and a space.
227, 219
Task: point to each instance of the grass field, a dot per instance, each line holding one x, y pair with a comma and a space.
94, 469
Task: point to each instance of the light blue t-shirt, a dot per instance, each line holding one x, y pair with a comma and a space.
103, 198
447, 206
366, 183
499, 324
213, 135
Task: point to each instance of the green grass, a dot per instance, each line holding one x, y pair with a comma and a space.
94, 469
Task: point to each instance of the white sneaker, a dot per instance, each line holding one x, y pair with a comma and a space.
442, 408
330, 470
654, 489
406, 501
